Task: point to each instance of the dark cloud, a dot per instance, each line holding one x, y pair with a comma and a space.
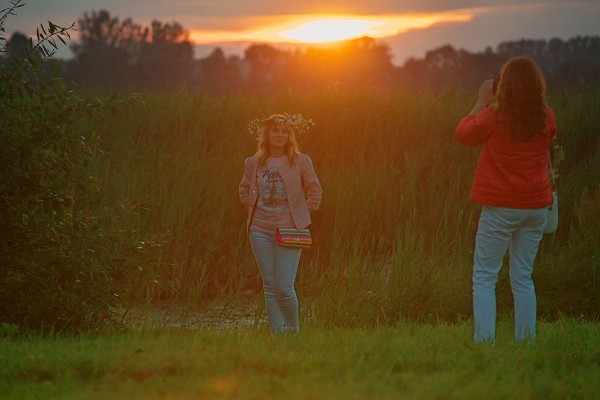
168, 10
238, 8
499, 25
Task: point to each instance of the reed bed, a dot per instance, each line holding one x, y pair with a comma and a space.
394, 236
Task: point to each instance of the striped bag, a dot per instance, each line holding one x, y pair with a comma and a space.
296, 238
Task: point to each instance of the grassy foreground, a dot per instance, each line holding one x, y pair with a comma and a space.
407, 361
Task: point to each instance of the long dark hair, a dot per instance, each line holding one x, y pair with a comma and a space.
520, 98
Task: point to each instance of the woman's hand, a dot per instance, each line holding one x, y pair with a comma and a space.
486, 91
486, 95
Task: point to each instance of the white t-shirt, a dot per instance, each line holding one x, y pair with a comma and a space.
272, 209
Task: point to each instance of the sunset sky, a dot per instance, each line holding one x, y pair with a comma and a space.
408, 27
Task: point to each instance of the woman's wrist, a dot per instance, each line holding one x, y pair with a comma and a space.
478, 107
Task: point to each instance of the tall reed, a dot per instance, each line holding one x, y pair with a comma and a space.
394, 236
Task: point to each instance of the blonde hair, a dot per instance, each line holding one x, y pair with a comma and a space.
520, 97
264, 150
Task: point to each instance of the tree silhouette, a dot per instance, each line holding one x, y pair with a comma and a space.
218, 74
575, 62
167, 58
109, 48
446, 66
17, 45
267, 65
117, 53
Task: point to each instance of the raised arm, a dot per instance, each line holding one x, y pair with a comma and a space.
475, 128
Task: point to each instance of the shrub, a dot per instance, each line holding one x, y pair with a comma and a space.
64, 260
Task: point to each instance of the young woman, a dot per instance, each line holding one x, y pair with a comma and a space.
512, 182
279, 188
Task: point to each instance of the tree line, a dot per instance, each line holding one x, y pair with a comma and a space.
120, 53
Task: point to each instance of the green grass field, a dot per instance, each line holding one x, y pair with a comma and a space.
403, 361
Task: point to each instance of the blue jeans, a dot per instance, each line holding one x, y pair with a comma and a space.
501, 228
278, 267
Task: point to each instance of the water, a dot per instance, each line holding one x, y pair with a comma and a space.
216, 315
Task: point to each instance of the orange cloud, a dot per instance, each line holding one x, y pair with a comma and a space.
319, 27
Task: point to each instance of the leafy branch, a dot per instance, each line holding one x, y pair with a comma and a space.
4, 13
36, 53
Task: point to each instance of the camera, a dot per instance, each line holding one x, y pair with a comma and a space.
496, 81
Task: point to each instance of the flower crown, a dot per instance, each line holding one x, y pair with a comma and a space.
293, 121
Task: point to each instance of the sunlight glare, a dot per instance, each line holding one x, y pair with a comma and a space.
322, 28
328, 30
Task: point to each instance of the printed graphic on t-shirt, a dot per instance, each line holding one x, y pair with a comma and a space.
272, 191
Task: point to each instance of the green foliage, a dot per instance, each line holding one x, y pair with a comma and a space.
64, 256
8, 330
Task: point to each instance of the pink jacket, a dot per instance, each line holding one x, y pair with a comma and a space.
301, 185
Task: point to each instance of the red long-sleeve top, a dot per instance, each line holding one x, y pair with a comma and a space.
510, 172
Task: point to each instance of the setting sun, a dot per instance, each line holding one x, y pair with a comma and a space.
321, 28
327, 30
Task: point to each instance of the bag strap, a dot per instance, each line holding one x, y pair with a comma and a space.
552, 179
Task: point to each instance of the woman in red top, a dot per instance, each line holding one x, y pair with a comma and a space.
512, 182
